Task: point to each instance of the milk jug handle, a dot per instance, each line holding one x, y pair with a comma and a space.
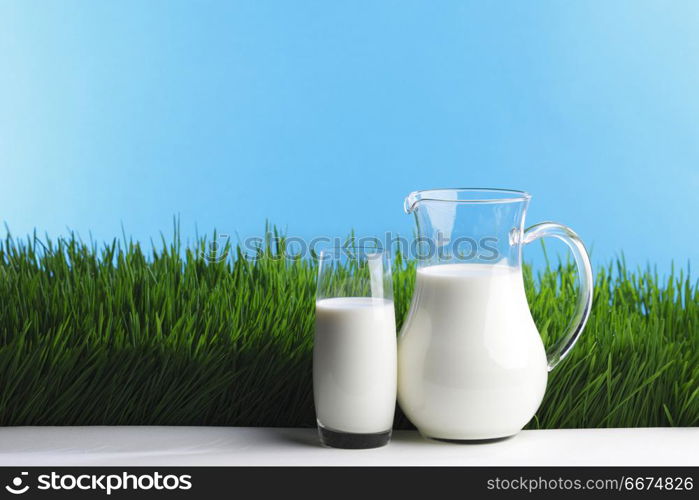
582, 309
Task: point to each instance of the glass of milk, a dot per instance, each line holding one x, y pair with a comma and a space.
354, 351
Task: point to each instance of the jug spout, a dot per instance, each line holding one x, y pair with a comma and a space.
410, 201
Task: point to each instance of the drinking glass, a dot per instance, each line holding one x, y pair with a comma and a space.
354, 351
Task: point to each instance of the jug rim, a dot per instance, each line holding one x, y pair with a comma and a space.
479, 196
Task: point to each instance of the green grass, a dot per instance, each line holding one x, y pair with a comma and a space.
121, 335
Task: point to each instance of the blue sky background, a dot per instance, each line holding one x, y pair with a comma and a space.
321, 116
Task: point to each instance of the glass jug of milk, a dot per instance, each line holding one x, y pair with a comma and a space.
471, 363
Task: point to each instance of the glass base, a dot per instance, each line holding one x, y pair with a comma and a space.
351, 440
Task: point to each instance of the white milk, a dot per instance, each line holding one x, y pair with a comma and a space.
354, 364
471, 364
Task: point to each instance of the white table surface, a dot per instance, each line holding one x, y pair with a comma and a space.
185, 446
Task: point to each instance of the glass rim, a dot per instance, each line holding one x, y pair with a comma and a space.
354, 252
